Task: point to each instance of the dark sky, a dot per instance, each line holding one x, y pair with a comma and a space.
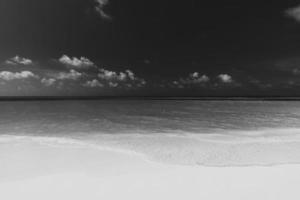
190, 48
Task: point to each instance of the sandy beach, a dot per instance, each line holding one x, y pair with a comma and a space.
31, 170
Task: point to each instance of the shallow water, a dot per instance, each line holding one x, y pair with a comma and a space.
180, 132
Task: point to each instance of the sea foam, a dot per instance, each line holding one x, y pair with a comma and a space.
266, 147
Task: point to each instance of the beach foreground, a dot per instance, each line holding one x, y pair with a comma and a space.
31, 170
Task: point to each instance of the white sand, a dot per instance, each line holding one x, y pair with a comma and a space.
34, 171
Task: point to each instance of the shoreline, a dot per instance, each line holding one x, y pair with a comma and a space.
180, 150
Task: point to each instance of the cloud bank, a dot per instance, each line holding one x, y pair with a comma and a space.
82, 74
72, 74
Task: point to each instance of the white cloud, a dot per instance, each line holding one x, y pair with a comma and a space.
121, 79
17, 60
197, 78
71, 75
108, 75
225, 78
130, 74
193, 79
7, 76
294, 13
114, 76
48, 81
79, 63
93, 84
100, 4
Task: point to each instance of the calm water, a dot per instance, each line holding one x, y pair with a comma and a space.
97, 117
213, 133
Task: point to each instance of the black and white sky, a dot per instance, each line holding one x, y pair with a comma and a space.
146, 47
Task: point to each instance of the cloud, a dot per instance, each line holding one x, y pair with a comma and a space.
48, 81
100, 4
93, 84
193, 79
114, 76
130, 75
294, 13
110, 75
98, 77
79, 63
197, 78
8, 76
71, 75
17, 60
118, 79
225, 78
101, 78
75, 76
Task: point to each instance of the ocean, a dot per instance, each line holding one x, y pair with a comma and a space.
189, 132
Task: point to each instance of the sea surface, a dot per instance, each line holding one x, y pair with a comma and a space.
192, 132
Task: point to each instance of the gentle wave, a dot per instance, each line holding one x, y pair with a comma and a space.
241, 149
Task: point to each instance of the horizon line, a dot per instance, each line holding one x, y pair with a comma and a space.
49, 98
